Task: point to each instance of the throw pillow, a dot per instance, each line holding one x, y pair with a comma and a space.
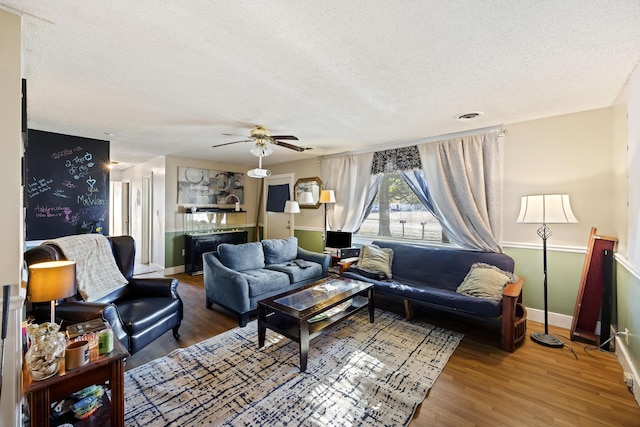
245, 256
277, 251
375, 258
485, 281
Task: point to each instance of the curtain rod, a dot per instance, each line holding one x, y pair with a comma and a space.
497, 128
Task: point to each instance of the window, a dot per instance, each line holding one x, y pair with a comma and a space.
398, 214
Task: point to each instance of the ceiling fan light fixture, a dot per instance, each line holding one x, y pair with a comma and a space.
260, 132
261, 149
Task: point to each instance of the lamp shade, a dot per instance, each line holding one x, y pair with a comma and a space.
546, 209
51, 281
327, 196
306, 198
291, 206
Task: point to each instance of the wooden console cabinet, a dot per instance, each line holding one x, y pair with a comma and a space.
197, 244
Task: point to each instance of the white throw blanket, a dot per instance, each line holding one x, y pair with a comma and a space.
97, 273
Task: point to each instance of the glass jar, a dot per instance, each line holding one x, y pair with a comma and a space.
46, 351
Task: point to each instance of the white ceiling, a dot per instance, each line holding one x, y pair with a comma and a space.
169, 77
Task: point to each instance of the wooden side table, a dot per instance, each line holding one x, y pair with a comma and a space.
101, 368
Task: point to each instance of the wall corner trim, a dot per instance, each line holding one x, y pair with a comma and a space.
626, 264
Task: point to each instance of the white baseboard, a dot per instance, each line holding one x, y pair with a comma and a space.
625, 361
555, 319
174, 270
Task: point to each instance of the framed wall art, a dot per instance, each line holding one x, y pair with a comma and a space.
209, 187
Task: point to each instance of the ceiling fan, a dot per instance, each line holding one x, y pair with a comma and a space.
263, 138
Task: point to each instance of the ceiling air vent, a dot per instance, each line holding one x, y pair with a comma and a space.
468, 116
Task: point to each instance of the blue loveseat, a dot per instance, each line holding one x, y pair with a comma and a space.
431, 276
236, 277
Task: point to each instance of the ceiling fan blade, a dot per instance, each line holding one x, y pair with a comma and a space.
290, 146
232, 134
289, 137
229, 143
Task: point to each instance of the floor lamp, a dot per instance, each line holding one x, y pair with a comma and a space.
291, 207
546, 209
326, 196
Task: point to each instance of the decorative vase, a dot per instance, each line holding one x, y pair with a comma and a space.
46, 352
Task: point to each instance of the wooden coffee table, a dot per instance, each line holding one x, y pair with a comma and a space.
302, 314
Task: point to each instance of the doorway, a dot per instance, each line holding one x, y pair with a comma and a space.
277, 225
119, 218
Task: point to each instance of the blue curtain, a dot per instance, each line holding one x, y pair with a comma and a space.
416, 182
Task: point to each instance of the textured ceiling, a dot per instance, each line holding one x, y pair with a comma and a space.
168, 78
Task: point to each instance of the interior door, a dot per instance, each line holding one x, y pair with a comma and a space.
145, 244
277, 225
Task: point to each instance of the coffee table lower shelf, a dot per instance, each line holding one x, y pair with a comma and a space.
288, 326
300, 330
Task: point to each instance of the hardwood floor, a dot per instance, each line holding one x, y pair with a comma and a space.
481, 385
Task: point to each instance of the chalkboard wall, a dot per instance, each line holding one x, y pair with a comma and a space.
67, 185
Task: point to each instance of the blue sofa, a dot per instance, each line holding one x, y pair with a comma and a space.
431, 275
236, 277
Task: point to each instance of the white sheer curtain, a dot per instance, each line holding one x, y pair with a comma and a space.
350, 178
463, 180
633, 170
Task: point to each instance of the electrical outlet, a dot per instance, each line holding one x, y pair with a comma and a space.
626, 336
628, 379
183, 252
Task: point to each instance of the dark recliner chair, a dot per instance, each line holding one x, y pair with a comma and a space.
138, 313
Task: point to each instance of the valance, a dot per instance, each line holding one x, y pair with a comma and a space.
398, 159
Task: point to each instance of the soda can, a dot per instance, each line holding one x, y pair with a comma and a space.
105, 342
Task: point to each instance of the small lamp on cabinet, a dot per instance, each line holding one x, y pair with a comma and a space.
51, 281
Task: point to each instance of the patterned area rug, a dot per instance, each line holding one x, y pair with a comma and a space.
358, 374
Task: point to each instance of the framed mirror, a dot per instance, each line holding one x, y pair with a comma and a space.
307, 192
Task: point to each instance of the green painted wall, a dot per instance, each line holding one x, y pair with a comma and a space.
173, 246
310, 240
564, 271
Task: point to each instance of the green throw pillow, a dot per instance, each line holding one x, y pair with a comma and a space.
375, 258
485, 281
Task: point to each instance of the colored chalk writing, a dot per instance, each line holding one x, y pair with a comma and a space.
66, 185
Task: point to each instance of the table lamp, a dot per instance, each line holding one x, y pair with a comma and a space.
546, 209
51, 281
